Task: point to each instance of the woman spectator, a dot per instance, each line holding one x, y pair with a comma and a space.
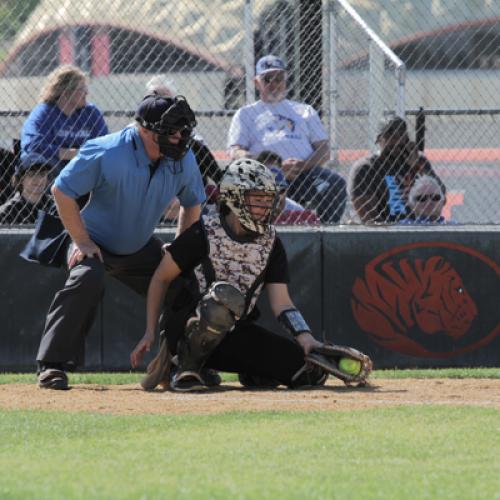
58, 126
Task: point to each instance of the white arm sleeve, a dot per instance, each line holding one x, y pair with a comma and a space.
238, 131
316, 130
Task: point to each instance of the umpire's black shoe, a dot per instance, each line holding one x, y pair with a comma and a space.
188, 381
52, 378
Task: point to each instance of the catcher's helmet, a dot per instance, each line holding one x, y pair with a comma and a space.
165, 116
245, 176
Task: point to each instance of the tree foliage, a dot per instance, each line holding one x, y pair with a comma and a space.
13, 14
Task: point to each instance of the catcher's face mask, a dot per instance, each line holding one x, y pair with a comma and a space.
261, 206
249, 189
174, 129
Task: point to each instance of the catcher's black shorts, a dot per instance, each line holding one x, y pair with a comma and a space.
248, 348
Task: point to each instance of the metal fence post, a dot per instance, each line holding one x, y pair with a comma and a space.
249, 55
332, 79
376, 80
401, 90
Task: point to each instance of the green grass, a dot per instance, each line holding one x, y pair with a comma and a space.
431, 452
397, 453
440, 373
132, 378
106, 378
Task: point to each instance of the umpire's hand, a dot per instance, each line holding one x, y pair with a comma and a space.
80, 251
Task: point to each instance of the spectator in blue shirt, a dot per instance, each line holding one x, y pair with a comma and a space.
58, 126
132, 176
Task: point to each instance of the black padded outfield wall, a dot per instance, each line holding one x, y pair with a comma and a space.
415, 298
26, 292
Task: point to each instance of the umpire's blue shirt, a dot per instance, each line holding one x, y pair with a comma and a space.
126, 202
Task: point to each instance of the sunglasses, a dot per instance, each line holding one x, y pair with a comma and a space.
273, 79
185, 131
428, 197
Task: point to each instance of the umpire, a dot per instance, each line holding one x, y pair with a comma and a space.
131, 175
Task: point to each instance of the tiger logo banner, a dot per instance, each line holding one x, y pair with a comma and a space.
403, 300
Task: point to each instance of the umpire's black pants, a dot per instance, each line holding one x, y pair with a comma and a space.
74, 307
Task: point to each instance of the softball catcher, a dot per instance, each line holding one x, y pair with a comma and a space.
232, 254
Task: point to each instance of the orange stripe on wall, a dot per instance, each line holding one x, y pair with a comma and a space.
436, 155
480, 155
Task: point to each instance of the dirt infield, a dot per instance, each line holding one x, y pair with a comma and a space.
132, 400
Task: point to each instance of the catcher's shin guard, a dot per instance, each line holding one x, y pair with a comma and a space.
217, 313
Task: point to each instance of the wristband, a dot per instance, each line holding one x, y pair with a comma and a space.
293, 322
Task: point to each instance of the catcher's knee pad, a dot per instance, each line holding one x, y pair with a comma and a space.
220, 307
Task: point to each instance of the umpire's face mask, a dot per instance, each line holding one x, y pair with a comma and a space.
175, 141
174, 130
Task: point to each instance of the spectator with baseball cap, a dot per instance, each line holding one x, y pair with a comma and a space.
30, 182
294, 131
132, 176
380, 184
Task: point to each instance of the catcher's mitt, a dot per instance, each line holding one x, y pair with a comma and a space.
328, 357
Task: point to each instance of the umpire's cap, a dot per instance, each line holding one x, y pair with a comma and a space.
158, 113
391, 128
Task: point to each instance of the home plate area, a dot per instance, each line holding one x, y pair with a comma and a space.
334, 396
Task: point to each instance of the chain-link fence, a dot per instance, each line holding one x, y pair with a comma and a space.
355, 63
